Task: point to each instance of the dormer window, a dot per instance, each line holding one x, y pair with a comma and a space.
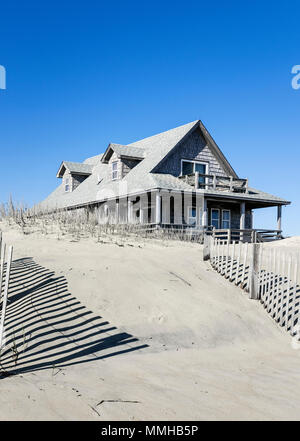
67, 184
114, 170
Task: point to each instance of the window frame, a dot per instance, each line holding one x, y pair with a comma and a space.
211, 217
114, 171
229, 220
67, 185
194, 161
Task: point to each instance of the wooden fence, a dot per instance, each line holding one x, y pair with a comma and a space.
269, 274
5, 267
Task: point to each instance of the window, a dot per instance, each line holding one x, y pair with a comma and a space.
190, 167
226, 219
115, 170
192, 215
187, 168
215, 217
67, 185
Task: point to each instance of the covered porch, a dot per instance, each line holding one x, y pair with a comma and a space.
190, 210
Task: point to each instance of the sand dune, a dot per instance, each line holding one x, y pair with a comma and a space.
291, 242
139, 330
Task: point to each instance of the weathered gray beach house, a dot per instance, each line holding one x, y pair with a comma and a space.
176, 178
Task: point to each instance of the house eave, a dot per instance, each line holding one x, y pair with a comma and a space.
245, 197
133, 158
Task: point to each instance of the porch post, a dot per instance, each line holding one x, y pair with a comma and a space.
204, 215
196, 180
279, 216
141, 211
129, 213
242, 215
117, 211
158, 208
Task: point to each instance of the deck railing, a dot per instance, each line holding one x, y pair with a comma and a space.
197, 232
252, 235
214, 182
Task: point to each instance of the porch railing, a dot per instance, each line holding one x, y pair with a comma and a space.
198, 232
246, 235
214, 182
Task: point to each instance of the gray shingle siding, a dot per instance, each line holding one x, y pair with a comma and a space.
124, 165
193, 148
128, 164
77, 180
74, 180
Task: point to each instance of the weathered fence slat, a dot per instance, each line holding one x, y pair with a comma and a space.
280, 291
222, 257
287, 305
269, 276
227, 255
5, 294
253, 274
231, 261
294, 296
3, 251
274, 284
238, 265
271, 287
244, 264
219, 256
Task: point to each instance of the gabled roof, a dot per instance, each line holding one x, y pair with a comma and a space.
74, 167
163, 144
143, 177
217, 151
122, 151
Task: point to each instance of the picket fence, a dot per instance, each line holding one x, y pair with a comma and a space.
5, 268
269, 274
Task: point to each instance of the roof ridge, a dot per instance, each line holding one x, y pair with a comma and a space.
165, 131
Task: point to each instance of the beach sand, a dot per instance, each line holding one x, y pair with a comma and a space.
170, 339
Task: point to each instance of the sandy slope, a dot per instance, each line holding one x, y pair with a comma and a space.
291, 243
206, 351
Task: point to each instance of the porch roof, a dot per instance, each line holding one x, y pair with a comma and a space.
254, 196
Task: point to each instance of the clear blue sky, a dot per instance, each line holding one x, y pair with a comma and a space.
83, 74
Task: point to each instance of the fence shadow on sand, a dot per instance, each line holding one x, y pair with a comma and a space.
47, 327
